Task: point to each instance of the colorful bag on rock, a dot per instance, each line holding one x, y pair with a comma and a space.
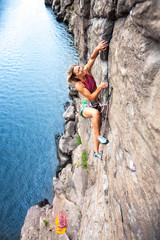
61, 223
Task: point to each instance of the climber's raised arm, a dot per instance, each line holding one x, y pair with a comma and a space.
102, 46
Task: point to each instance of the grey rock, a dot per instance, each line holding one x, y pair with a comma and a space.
133, 152
69, 114
63, 236
66, 105
103, 9
48, 2
70, 128
57, 9
60, 16
82, 8
149, 25
63, 157
34, 225
64, 179
55, 3
72, 91
73, 222
67, 144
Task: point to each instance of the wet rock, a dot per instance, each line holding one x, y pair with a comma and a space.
43, 203
48, 2
60, 16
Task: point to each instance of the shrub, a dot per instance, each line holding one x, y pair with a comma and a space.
46, 222
78, 140
84, 159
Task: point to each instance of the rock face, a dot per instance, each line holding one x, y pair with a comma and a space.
134, 121
120, 198
48, 2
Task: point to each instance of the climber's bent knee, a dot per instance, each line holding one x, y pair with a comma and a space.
96, 113
89, 112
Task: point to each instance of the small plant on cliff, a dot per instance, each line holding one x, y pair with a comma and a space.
77, 164
46, 223
78, 140
84, 159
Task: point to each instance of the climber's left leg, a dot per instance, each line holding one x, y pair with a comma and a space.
94, 114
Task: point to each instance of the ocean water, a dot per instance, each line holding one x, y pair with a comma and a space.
35, 52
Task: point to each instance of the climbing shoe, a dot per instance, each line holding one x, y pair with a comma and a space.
98, 155
102, 140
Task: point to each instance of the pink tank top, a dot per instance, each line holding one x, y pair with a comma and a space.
90, 83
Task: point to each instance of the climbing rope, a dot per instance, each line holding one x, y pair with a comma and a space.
106, 117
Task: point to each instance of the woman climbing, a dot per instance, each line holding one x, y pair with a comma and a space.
86, 85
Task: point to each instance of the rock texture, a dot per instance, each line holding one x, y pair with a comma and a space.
48, 2
120, 198
134, 136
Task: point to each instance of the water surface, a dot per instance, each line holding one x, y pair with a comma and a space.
35, 52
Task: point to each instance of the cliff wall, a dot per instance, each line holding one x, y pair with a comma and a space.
120, 198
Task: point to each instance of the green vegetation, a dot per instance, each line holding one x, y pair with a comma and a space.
77, 164
46, 222
78, 140
84, 159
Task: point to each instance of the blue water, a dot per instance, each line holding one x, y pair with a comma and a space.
35, 52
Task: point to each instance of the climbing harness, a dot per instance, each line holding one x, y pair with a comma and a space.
105, 105
97, 105
86, 103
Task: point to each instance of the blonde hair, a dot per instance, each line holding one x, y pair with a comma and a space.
70, 74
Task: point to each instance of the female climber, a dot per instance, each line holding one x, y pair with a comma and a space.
86, 85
